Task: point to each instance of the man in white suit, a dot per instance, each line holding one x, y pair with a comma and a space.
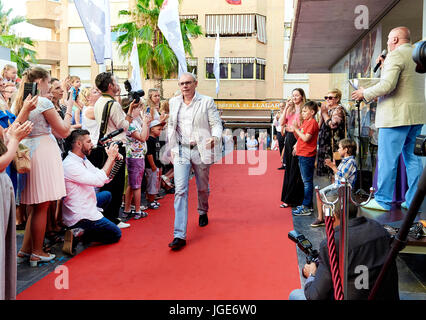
194, 133
400, 115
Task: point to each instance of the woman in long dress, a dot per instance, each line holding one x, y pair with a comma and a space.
332, 129
8, 145
292, 191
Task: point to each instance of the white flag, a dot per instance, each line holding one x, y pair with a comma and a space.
169, 24
108, 41
136, 74
216, 64
94, 15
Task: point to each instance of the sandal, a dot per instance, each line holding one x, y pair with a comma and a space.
139, 215
166, 180
22, 257
153, 205
284, 205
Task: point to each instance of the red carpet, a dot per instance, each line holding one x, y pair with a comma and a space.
243, 253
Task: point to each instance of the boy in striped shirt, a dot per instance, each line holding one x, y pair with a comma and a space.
346, 170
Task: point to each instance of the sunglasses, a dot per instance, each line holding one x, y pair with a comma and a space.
329, 98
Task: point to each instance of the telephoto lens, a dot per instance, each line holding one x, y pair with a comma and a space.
419, 56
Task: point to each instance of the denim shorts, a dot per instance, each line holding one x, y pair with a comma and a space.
135, 170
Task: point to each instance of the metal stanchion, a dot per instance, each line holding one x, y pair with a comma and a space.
339, 274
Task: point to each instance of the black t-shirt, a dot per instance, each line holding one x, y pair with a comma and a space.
153, 148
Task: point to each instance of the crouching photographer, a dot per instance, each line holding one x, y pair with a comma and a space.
80, 207
368, 246
110, 117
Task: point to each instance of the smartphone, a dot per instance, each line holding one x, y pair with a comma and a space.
148, 110
30, 88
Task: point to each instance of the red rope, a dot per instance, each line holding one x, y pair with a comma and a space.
334, 263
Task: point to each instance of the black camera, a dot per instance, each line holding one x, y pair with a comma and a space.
305, 245
419, 56
133, 95
101, 142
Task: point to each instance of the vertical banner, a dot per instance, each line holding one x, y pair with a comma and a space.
136, 74
94, 15
169, 24
216, 63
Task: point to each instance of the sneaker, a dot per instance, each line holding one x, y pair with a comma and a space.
302, 211
317, 223
143, 208
139, 215
123, 225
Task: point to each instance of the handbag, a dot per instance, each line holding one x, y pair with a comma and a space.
22, 159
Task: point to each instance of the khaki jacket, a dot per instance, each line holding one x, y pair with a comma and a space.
401, 91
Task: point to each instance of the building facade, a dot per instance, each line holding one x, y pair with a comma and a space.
254, 41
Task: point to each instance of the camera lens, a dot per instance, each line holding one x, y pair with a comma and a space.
419, 56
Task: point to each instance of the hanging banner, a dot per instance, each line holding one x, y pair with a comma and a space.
248, 105
169, 24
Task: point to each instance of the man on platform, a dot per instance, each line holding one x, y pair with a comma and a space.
194, 132
400, 116
368, 247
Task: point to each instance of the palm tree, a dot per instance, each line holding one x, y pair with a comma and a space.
19, 51
155, 55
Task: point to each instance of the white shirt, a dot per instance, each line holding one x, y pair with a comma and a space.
90, 125
117, 118
81, 178
184, 123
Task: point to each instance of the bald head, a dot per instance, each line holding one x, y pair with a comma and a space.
397, 37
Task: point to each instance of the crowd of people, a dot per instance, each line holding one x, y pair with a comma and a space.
93, 153
81, 172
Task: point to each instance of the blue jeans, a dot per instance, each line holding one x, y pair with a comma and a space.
393, 142
101, 230
182, 167
297, 294
103, 198
307, 167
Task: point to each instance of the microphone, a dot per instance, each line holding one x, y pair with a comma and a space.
383, 55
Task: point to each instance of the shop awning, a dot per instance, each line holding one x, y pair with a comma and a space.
324, 31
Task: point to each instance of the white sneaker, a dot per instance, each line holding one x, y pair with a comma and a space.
123, 225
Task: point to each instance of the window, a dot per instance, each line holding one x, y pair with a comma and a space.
77, 35
237, 68
236, 25
260, 72
191, 66
248, 70
223, 67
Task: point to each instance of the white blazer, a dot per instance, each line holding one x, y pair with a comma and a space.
206, 123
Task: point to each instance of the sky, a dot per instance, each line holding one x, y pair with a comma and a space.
25, 29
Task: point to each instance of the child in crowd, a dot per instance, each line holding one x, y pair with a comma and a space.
9, 74
78, 106
135, 160
274, 145
306, 149
346, 170
153, 164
